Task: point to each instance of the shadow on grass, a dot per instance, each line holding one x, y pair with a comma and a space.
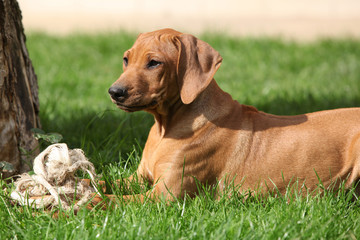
307, 103
104, 136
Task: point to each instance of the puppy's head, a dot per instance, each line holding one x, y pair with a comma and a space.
161, 67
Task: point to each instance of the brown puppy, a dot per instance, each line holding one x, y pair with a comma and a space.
201, 133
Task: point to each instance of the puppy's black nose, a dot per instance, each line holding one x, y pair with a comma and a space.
118, 93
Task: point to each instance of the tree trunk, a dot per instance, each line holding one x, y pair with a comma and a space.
19, 104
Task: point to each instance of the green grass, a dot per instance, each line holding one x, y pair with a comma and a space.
74, 73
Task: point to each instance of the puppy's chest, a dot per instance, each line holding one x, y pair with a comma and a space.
161, 156
203, 155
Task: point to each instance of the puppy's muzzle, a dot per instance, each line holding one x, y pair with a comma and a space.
117, 93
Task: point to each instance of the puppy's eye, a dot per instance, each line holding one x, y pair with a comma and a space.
153, 64
125, 60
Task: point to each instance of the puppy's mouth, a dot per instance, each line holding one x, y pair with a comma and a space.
133, 108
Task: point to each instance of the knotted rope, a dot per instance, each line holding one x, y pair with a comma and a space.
55, 170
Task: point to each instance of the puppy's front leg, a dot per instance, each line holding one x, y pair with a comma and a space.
111, 200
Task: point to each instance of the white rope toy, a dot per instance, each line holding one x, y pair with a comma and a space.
55, 169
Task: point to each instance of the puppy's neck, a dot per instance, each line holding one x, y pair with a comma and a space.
178, 119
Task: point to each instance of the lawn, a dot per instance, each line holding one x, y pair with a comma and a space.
276, 76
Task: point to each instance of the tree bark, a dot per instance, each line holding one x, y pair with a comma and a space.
19, 104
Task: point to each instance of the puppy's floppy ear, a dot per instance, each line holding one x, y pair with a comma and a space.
196, 67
